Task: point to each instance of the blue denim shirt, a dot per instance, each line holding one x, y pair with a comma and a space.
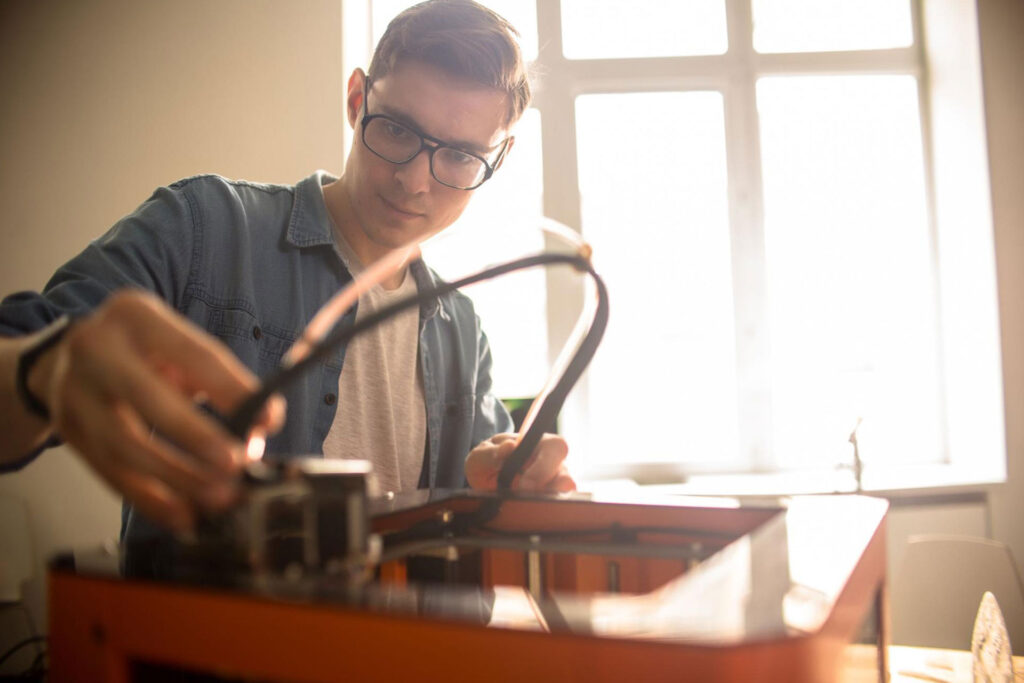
251, 264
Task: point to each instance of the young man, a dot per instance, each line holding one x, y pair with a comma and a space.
205, 286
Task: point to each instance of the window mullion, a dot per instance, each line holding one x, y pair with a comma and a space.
697, 69
746, 219
925, 104
897, 60
554, 99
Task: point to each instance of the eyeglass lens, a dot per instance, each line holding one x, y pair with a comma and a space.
398, 144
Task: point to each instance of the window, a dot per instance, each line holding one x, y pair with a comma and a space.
661, 201
788, 199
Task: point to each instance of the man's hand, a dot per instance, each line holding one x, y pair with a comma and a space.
544, 471
122, 388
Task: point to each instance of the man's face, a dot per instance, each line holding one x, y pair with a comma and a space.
396, 204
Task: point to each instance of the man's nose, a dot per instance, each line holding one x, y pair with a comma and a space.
414, 175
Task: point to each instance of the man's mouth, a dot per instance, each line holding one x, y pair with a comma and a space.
405, 211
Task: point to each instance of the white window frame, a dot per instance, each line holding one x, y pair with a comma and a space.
944, 59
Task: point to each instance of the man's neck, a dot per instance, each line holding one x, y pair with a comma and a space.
346, 226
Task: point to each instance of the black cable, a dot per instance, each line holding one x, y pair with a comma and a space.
18, 646
31, 625
239, 422
37, 664
549, 409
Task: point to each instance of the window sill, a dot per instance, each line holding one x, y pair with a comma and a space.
894, 483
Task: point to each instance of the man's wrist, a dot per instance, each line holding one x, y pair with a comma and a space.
32, 357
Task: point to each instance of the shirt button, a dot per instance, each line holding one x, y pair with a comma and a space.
257, 332
329, 399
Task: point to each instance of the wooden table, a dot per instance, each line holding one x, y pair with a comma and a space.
916, 665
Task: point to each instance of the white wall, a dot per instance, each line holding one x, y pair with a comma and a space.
101, 101
1001, 23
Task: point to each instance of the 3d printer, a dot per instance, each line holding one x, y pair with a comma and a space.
311, 578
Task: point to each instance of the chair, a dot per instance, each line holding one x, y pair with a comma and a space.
939, 585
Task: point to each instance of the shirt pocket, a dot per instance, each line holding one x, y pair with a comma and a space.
260, 344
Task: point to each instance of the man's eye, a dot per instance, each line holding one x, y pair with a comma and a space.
396, 131
461, 158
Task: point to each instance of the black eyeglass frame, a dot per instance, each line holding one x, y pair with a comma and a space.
435, 145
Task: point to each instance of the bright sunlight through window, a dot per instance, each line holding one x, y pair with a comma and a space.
758, 181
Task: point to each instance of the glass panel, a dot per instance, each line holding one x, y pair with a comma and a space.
850, 271
522, 15
608, 29
499, 224
831, 25
653, 187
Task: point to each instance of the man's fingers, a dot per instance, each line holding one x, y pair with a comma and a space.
271, 418
546, 464
563, 482
153, 499
128, 445
484, 462
140, 450
173, 414
545, 470
198, 362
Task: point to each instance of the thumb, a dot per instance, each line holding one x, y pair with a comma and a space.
484, 463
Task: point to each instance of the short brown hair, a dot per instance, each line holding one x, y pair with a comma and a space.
462, 38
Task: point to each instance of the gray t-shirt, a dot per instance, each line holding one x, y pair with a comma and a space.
381, 413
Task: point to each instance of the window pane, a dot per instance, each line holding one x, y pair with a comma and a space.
850, 272
522, 15
500, 223
831, 25
606, 29
652, 177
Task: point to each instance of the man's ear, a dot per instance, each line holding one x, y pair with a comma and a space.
504, 152
356, 93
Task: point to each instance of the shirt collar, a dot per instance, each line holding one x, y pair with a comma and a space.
425, 279
310, 224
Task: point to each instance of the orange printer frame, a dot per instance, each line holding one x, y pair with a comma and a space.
680, 590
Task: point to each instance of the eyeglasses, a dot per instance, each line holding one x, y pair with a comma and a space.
399, 144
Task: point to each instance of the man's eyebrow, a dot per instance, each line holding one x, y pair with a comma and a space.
464, 145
